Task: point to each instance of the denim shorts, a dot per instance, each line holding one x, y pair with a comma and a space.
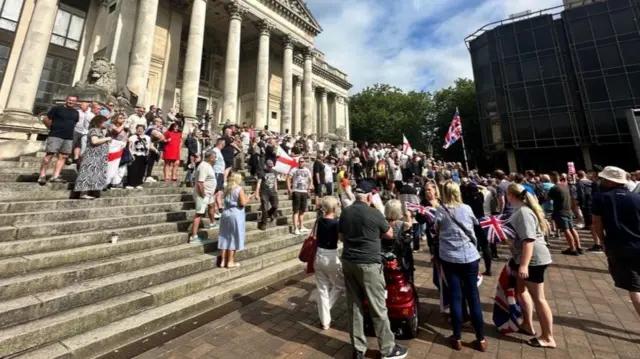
563, 222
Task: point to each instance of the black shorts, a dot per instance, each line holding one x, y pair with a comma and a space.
228, 161
588, 220
536, 273
625, 272
300, 201
219, 182
317, 189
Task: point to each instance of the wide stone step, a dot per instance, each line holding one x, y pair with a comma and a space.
57, 269
33, 192
35, 187
38, 305
190, 298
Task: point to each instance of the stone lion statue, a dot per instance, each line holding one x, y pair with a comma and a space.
104, 76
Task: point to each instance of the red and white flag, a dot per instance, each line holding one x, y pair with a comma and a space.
406, 147
285, 163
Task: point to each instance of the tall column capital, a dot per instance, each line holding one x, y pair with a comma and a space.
314, 87
339, 99
105, 2
323, 92
308, 53
297, 80
265, 27
236, 9
288, 41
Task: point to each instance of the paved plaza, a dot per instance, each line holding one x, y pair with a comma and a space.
592, 320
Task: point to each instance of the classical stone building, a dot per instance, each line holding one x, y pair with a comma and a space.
248, 61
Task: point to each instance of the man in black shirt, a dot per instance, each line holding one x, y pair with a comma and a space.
361, 230
318, 178
228, 152
61, 121
267, 192
562, 214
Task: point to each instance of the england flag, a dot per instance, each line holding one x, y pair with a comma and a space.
285, 163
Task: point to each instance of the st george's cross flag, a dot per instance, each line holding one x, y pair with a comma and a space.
455, 131
406, 147
285, 163
497, 228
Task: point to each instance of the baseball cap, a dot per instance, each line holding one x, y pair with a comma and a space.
365, 186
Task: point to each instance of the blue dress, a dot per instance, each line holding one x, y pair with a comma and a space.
232, 223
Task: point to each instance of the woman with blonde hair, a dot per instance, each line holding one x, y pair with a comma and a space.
460, 259
232, 221
327, 265
530, 259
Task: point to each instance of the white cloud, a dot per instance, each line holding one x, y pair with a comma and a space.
412, 44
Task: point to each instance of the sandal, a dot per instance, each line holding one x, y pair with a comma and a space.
234, 265
535, 342
529, 334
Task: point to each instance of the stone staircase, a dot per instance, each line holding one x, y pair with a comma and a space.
66, 291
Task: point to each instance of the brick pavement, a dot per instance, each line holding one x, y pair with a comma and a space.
592, 320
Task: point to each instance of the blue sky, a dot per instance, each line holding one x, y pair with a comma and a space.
412, 44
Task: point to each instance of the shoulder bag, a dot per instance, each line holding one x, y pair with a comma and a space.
457, 223
310, 246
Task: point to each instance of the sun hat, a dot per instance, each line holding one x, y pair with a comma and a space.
614, 174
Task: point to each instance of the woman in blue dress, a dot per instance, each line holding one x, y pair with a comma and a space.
232, 221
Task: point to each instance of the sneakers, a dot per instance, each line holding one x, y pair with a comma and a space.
580, 251
214, 225
196, 240
139, 187
150, 180
128, 187
216, 216
297, 232
304, 230
86, 196
42, 180
570, 252
262, 226
595, 249
56, 180
398, 352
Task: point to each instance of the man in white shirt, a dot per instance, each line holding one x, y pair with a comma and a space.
299, 185
85, 114
218, 168
136, 119
203, 194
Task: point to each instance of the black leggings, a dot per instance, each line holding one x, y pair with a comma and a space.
151, 161
483, 247
136, 171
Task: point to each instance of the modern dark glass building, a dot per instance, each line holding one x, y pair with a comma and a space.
558, 86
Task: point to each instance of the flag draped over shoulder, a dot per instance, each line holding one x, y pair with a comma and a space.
507, 313
455, 131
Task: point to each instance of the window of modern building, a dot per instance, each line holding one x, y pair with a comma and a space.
603, 122
526, 43
602, 27
596, 90
508, 45
67, 30
524, 130
513, 72
542, 127
543, 37
4, 57
561, 125
588, 59
555, 95
10, 14
609, 56
624, 21
536, 97
56, 73
518, 99
549, 66
621, 121
618, 87
530, 69
581, 31
630, 52
634, 80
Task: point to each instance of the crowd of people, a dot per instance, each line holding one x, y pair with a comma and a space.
367, 196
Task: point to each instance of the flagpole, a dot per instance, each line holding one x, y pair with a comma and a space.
464, 149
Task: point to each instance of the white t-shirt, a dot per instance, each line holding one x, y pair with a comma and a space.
140, 145
319, 146
218, 165
84, 118
300, 179
205, 174
310, 145
134, 120
328, 173
246, 139
397, 173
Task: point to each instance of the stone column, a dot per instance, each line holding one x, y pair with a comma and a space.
193, 63
337, 119
307, 93
347, 125
142, 47
261, 102
324, 112
172, 56
232, 62
297, 121
22, 94
287, 85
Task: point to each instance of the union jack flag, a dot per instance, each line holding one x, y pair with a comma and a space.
428, 212
497, 228
455, 131
507, 313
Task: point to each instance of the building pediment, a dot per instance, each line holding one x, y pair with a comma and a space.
296, 12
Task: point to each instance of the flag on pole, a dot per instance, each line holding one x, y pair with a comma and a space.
455, 131
497, 228
406, 147
285, 163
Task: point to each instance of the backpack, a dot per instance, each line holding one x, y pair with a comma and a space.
540, 192
381, 169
